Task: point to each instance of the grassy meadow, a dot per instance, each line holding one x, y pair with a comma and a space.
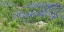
23, 15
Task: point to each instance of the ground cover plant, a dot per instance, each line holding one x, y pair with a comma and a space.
20, 15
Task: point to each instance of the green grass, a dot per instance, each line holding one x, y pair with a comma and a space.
24, 2
57, 25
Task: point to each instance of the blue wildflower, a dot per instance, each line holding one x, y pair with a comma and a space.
58, 5
14, 16
42, 9
38, 13
52, 16
51, 5
19, 13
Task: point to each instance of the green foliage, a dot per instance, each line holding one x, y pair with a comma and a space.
58, 22
13, 24
52, 28
24, 2
7, 29
6, 11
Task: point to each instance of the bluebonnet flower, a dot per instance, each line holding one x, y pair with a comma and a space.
38, 13
56, 9
16, 10
43, 14
16, 5
51, 12
62, 10
27, 6
52, 16
58, 5
10, 4
51, 5
24, 16
34, 5
40, 5
14, 16
57, 15
42, 9
30, 14
19, 13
